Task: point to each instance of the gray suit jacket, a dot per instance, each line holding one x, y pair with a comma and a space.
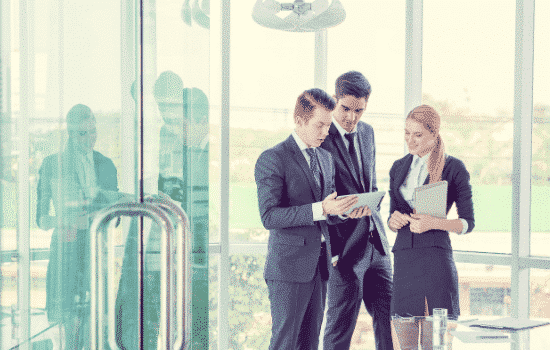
286, 192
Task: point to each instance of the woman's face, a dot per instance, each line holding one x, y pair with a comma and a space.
85, 135
419, 140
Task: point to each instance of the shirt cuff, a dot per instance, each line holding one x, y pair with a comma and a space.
464, 226
334, 259
317, 209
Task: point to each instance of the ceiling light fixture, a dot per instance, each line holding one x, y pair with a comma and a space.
304, 17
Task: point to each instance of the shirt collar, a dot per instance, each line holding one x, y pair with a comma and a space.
299, 141
340, 129
86, 157
418, 160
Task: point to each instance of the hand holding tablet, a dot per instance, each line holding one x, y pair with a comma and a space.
370, 199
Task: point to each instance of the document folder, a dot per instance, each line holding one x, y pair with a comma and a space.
431, 199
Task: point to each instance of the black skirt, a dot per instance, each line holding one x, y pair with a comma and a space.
424, 273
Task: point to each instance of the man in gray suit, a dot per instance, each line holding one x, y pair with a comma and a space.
293, 177
361, 268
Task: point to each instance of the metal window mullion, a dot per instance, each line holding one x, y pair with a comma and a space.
128, 71
413, 56
521, 173
321, 50
26, 111
223, 273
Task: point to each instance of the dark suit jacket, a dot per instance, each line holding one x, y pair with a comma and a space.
106, 177
353, 232
459, 192
286, 192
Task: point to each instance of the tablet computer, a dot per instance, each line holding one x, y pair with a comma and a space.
371, 199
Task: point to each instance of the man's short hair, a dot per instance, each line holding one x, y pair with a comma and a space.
352, 83
309, 100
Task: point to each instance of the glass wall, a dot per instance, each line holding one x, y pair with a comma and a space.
100, 104
469, 79
371, 40
540, 182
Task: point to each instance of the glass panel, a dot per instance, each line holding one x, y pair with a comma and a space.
249, 308
213, 284
69, 143
540, 304
60, 161
484, 290
540, 182
379, 56
461, 70
176, 88
261, 109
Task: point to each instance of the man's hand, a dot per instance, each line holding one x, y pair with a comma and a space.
398, 220
421, 223
360, 212
338, 206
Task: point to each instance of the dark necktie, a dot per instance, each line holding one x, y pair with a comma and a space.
314, 165
353, 155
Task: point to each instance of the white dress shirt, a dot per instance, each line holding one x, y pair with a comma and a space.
343, 132
318, 206
86, 173
418, 173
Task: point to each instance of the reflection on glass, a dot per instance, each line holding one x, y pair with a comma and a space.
78, 181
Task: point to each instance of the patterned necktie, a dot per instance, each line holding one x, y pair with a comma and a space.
314, 165
353, 154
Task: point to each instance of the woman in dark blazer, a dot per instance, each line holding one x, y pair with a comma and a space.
72, 182
424, 268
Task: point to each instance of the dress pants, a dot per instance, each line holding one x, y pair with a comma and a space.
297, 310
370, 281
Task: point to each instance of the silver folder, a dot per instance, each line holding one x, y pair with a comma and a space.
431, 199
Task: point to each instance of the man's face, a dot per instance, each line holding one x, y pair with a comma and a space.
349, 110
85, 135
314, 131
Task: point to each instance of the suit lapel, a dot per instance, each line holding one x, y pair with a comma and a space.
344, 153
301, 160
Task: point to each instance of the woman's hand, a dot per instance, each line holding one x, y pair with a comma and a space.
421, 223
398, 220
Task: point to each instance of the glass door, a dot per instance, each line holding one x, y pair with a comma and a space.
103, 103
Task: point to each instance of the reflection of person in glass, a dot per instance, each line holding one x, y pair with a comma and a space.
72, 179
424, 268
183, 140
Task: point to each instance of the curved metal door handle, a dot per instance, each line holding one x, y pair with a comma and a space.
99, 225
183, 282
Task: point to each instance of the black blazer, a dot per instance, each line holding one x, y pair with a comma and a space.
106, 177
286, 192
459, 192
352, 232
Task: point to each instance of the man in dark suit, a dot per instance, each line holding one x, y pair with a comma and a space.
361, 268
293, 178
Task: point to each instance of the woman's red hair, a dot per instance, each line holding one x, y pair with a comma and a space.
431, 121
